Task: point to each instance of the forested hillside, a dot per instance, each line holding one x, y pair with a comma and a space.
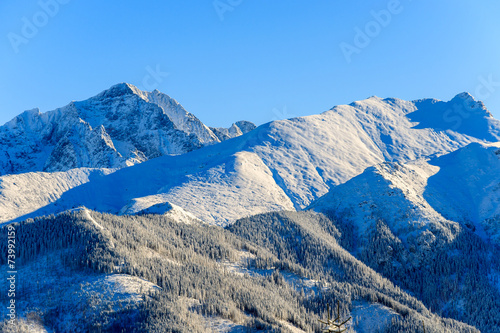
458, 279
84, 271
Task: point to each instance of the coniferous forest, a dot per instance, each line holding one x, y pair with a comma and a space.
85, 271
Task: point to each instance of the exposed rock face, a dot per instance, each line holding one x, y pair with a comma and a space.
119, 127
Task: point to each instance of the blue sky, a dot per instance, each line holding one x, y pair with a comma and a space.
227, 60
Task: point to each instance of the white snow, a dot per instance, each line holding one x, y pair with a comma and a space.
422, 197
143, 206
284, 165
87, 215
218, 324
370, 317
82, 295
239, 187
291, 328
119, 288
119, 127
472, 176
239, 267
24, 193
182, 119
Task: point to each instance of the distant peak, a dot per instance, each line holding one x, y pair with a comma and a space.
126, 87
245, 126
363, 102
470, 102
463, 96
120, 89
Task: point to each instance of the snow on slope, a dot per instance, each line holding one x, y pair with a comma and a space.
82, 295
371, 317
24, 193
424, 199
175, 212
224, 190
462, 114
467, 188
119, 127
237, 129
310, 154
283, 164
182, 119
393, 193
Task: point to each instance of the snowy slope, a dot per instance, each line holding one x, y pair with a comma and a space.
467, 188
369, 317
119, 127
83, 295
217, 191
424, 199
426, 223
110, 273
283, 164
163, 208
21, 194
310, 154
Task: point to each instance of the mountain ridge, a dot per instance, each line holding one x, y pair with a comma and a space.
280, 165
402, 215
118, 127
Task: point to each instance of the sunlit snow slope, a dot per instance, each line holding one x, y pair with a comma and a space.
285, 164
421, 198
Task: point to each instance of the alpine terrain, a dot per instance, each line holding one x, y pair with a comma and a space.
128, 214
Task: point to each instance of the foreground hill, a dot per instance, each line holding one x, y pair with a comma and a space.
282, 165
432, 226
84, 271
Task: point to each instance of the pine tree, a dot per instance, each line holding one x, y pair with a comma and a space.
335, 325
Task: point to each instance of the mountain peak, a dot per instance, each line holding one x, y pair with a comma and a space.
464, 95
120, 89
468, 101
119, 127
465, 98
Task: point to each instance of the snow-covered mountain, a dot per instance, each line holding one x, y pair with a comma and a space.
425, 197
237, 129
430, 225
412, 190
281, 165
119, 127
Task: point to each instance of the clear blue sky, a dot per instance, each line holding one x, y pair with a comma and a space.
252, 59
